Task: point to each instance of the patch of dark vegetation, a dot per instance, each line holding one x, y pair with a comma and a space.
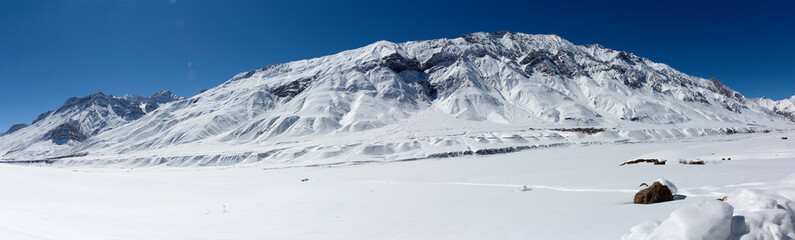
692, 162
491, 151
498, 150
49, 160
589, 131
80, 154
652, 161
29, 162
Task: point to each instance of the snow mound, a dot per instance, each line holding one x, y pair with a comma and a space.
747, 214
705, 220
762, 215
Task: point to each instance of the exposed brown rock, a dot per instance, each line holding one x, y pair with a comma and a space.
653, 161
692, 162
654, 194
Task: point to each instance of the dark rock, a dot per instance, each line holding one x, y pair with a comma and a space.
65, 132
692, 162
652, 161
293, 88
655, 193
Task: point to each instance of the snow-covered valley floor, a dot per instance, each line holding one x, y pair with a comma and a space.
577, 192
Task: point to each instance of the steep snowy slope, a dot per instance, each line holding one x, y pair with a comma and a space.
392, 101
77, 120
785, 108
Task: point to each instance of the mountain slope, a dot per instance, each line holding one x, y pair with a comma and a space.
78, 119
408, 100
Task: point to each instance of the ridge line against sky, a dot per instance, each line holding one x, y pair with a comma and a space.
53, 50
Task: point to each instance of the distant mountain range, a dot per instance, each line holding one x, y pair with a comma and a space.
80, 118
392, 101
785, 108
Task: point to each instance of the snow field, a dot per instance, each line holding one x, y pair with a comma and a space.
576, 192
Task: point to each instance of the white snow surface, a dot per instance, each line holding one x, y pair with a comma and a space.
575, 192
404, 101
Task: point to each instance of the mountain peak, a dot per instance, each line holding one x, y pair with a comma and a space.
164, 96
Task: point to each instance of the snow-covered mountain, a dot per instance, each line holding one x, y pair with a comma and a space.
785, 107
78, 119
395, 101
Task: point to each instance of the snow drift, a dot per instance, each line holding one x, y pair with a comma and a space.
747, 214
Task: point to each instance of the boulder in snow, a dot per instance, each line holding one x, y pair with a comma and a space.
655, 193
668, 184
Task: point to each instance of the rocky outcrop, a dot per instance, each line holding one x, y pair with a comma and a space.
68, 131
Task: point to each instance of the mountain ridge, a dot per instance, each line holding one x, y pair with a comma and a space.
476, 87
82, 117
784, 107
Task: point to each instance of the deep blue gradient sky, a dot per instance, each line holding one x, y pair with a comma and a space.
53, 50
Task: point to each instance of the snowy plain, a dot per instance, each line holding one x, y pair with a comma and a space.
574, 192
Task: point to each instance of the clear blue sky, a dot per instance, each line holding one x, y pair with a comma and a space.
53, 50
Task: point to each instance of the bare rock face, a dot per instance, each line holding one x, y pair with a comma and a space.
654, 194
